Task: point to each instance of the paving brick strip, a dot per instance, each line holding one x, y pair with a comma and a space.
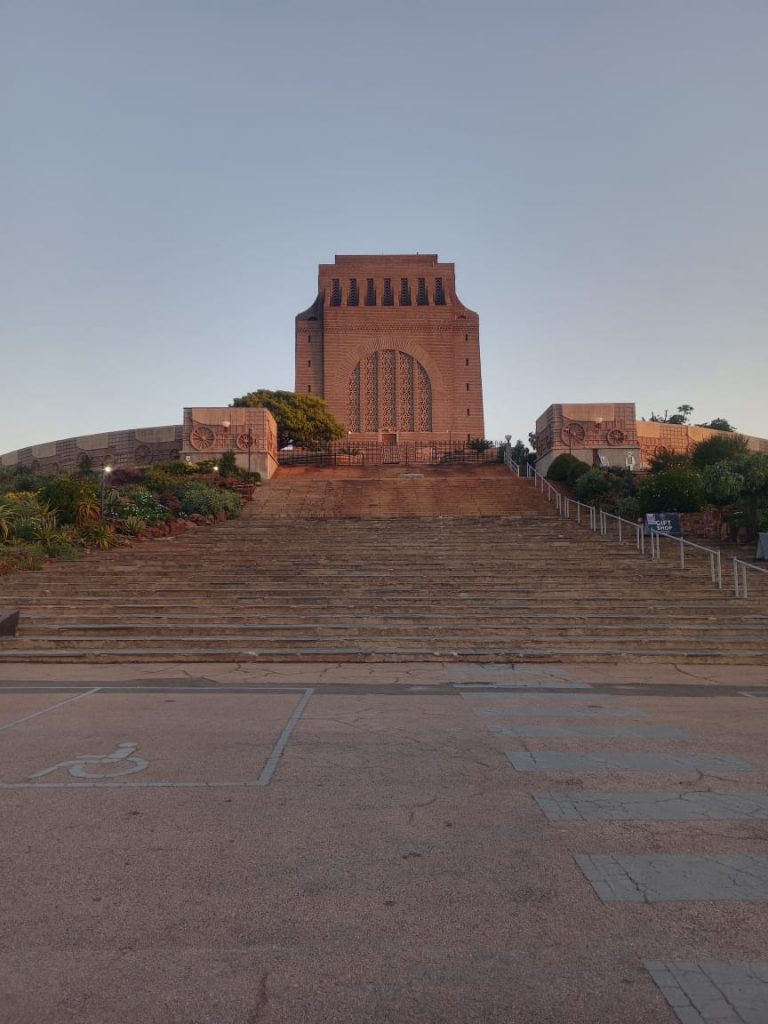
710, 992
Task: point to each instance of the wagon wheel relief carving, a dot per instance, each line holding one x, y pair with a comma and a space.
245, 441
573, 433
202, 438
615, 436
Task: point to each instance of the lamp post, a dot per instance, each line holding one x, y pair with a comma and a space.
106, 470
250, 446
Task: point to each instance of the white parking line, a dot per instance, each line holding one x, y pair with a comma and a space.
69, 700
274, 758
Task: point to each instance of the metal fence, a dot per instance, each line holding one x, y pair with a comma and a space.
404, 453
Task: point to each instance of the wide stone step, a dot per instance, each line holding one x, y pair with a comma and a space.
332, 570
237, 641
594, 653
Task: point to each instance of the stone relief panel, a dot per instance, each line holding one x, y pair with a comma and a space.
389, 390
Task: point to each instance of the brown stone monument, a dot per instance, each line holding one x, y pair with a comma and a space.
393, 351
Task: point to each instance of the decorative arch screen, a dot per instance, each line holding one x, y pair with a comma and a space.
389, 390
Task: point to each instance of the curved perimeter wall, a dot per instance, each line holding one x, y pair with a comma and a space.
124, 448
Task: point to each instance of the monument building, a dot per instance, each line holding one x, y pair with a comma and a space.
393, 351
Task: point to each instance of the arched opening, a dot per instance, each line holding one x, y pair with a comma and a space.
389, 390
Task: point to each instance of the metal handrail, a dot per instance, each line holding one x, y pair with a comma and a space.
715, 565
510, 462
623, 524
740, 576
598, 522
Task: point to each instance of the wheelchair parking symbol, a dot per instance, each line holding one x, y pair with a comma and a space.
85, 766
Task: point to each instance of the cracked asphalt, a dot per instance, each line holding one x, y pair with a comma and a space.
392, 865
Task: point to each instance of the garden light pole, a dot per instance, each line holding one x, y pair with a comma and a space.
106, 470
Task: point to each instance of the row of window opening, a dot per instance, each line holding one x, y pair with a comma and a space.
405, 292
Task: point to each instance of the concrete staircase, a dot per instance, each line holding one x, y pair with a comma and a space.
389, 564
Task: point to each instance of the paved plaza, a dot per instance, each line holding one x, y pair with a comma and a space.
434, 843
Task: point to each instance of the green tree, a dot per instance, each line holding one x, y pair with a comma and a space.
665, 458
672, 490
479, 444
522, 454
719, 448
718, 423
302, 420
682, 415
753, 470
722, 483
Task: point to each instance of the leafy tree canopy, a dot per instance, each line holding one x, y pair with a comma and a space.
664, 458
302, 420
672, 490
521, 453
718, 423
682, 415
722, 483
719, 448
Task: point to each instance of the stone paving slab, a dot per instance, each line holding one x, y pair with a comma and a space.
713, 993
574, 732
623, 761
529, 696
663, 877
691, 806
557, 712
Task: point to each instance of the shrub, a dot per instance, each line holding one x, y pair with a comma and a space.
613, 489
69, 497
567, 469
131, 525
202, 499
140, 503
21, 557
664, 458
629, 507
228, 464
592, 486
100, 535
124, 477
177, 468
672, 490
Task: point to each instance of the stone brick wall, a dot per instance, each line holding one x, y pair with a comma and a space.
139, 446
391, 348
682, 438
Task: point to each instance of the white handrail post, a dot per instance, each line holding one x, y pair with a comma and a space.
621, 541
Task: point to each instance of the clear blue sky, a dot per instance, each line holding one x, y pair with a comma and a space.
173, 171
